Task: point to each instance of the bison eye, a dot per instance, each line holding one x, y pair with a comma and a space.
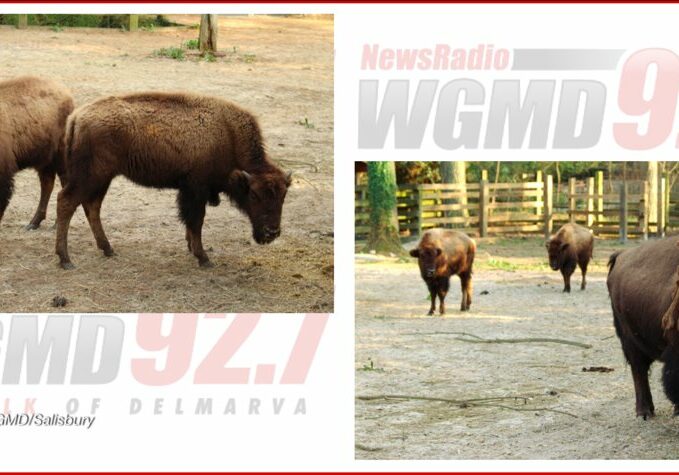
253, 196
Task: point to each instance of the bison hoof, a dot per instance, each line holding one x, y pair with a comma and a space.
430, 312
67, 265
568, 291
206, 264
109, 252
31, 227
646, 414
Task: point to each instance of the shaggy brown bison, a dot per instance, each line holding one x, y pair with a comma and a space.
441, 254
202, 146
571, 246
642, 284
33, 114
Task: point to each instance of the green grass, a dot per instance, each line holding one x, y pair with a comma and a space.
305, 123
370, 366
209, 58
172, 52
88, 21
191, 44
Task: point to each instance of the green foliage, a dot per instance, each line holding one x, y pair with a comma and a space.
172, 52
191, 44
88, 21
209, 57
248, 58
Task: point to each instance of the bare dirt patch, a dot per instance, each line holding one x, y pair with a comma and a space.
279, 68
567, 413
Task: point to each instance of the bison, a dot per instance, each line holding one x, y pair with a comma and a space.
642, 284
201, 146
441, 254
571, 246
33, 115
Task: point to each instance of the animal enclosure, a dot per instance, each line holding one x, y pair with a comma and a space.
528, 373
278, 68
611, 210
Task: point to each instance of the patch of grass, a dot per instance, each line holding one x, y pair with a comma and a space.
57, 28
306, 124
149, 27
172, 52
209, 57
191, 44
501, 265
249, 58
370, 366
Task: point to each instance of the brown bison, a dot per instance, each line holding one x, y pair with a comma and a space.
201, 146
642, 284
441, 254
571, 246
33, 115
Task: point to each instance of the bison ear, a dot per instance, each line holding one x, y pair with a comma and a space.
546, 244
415, 252
438, 252
564, 245
240, 180
288, 180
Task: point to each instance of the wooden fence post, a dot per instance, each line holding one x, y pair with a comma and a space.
623, 212
418, 190
483, 208
572, 205
667, 199
644, 218
22, 22
661, 208
548, 188
134, 23
600, 196
590, 202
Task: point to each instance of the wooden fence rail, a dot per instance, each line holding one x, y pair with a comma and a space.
536, 207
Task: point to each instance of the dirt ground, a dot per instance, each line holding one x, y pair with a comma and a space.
566, 414
281, 69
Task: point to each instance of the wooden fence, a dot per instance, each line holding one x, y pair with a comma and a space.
535, 207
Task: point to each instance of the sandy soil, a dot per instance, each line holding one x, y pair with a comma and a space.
401, 351
279, 68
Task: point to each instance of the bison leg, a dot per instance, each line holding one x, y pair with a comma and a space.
466, 281
93, 212
670, 377
583, 268
192, 213
6, 188
640, 364
47, 177
66, 206
566, 279
432, 293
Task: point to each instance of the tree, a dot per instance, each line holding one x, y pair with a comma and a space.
456, 172
207, 39
384, 235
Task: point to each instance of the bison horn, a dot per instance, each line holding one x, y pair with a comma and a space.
247, 176
288, 179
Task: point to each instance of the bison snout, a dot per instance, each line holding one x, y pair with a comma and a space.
430, 272
267, 235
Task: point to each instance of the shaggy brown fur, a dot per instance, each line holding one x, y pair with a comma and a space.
441, 254
202, 146
642, 284
570, 247
33, 114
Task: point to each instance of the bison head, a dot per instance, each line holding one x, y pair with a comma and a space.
557, 252
426, 258
260, 196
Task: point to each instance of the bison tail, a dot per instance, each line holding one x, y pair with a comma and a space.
68, 139
670, 375
612, 259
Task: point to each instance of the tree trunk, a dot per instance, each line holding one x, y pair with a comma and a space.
653, 184
456, 172
22, 22
384, 236
208, 34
